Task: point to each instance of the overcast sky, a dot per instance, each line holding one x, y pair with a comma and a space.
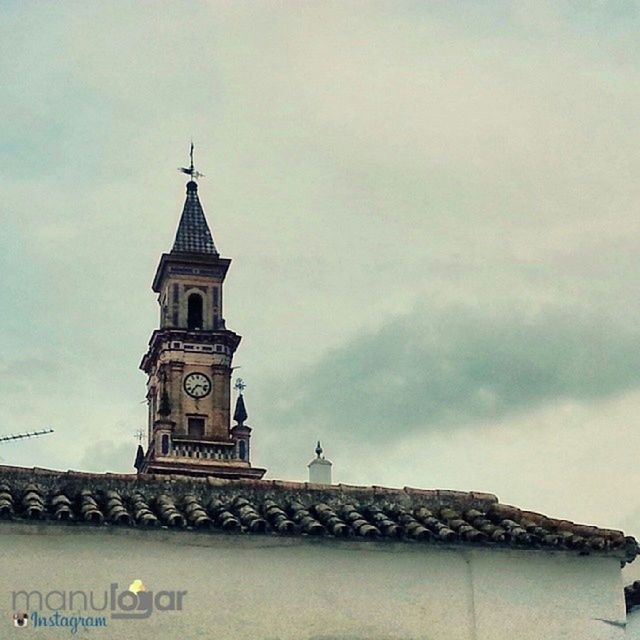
432, 211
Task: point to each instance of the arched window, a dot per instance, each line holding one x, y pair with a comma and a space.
242, 449
194, 308
164, 446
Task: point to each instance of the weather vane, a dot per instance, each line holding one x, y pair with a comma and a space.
190, 171
239, 385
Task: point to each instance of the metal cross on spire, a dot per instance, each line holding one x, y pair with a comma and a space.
190, 171
239, 386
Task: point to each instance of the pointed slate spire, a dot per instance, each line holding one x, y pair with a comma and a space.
193, 235
240, 414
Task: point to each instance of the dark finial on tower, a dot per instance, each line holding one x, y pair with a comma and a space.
240, 415
318, 449
137, 464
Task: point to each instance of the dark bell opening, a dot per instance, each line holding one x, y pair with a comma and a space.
196, 427
194, 309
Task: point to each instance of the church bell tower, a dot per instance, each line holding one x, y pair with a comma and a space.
188, 362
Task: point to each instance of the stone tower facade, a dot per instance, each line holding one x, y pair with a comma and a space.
188, 362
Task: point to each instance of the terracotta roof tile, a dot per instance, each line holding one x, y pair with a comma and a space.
294, 508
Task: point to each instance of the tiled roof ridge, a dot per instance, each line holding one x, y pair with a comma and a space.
287, 485
279, 507
431, 497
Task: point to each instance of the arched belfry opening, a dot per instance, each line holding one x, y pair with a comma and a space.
194, 311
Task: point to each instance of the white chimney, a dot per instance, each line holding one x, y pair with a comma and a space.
319, 468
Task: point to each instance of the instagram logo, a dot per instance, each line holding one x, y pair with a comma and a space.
20, 619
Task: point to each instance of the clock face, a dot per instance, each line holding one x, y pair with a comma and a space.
197, 385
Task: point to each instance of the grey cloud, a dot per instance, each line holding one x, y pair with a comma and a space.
31, 374
450, 367
107, 455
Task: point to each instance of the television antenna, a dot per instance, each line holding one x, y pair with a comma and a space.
25, 435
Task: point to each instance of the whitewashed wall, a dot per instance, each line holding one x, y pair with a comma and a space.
268, 588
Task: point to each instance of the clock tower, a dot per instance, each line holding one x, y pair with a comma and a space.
188, 362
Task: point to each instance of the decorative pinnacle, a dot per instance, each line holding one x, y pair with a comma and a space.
240, 415
318, 449
139, 434
190, 171
239, 386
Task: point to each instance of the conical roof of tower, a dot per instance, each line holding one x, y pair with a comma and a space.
193, 235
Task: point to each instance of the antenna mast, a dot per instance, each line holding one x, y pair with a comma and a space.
28, 434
